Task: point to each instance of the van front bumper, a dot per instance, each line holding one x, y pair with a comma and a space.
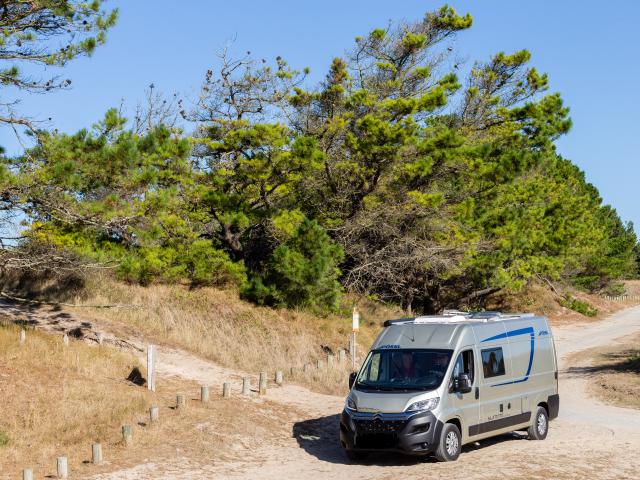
413, 433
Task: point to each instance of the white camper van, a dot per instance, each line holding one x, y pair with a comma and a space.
432, 384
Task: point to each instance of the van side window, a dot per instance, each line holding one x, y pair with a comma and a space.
492, 362
373, 373
464, 364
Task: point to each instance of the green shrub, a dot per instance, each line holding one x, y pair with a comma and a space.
198, 262
302, 272
4, 439
615, 289
257, 292
578, 306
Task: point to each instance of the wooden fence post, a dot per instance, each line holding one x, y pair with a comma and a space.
62, 467
23, 336
342, 355
279, 377
181, 402
262, 384
27, 474
151, 368
96, 453
246, 386
204, 393
65, 340
154, 414
331, 360
319, 364
226, 389
127, 435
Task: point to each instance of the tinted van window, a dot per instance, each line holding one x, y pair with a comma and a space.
464, 364
403, 369
492, 362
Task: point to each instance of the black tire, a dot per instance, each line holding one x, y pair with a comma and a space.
539, 425
450, 444
355, 456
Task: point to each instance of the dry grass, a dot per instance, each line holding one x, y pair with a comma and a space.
56, 401
217, 325
614, 372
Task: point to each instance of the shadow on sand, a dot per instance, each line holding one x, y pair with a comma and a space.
319, 437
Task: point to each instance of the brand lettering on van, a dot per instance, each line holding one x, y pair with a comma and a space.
543, 332
389, 346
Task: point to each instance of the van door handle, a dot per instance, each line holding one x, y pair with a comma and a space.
477, 393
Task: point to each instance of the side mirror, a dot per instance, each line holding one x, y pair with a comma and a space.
352, 379
462, 384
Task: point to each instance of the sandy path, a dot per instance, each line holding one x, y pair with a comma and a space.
575, 403
588, 439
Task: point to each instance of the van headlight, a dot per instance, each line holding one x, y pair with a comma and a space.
423, 405
350, 404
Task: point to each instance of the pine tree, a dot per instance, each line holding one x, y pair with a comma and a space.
26, 33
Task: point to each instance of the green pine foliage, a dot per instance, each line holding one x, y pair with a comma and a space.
123, 198
578, 306
302, 272
392, 178
45, 33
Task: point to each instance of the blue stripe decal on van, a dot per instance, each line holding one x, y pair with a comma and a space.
513, 333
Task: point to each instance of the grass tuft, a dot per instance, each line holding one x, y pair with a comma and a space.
4, 439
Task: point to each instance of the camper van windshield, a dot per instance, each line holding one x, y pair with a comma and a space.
410, 369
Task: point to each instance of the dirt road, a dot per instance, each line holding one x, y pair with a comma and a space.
589, 439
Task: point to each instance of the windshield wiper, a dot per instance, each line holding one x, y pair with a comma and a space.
398, 388
374, 387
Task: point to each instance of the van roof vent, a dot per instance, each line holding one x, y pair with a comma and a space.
486, 315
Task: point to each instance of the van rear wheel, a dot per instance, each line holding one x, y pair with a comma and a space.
540, 425
450, 444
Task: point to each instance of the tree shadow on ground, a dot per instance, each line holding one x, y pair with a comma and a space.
320, 437
43, 316
43, 286
626, 361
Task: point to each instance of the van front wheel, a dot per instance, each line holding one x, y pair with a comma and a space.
450, 443
540, 426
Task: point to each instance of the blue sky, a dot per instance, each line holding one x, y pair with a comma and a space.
588, 48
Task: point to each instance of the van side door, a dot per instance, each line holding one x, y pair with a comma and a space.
493, 366
465, 404
491, 350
